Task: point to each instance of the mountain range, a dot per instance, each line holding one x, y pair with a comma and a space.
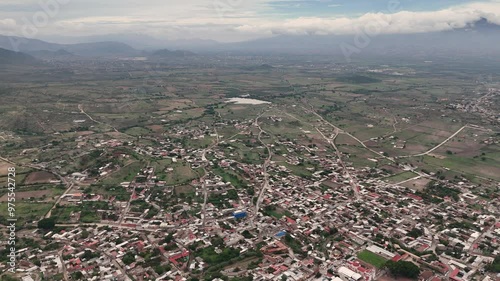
481, 38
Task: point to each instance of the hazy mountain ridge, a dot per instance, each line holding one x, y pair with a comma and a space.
165, 53
480, 38
98, 49
140, 41
8, 57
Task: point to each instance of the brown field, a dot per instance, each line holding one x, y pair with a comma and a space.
168, 105
237, 107
156, 128
413, 148
116, 135
3, 168
393, 169
39, 177
345, 139
24, 195
437, 156
466, 144
184, 189
85, 133
418, 184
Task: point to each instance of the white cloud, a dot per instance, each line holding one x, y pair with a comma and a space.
233, 20
399, 22
9, 25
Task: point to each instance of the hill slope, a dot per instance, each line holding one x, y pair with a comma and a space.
98, 49
8, 57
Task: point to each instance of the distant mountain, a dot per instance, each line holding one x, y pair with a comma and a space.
21, 44
8, 57
101, 49
164, 53
262, 67
140, 41
97, 49
44, 54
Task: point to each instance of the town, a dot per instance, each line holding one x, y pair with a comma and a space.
239, 199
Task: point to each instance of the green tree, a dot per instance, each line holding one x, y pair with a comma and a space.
128, 258
47, 224
495, 266
403, 269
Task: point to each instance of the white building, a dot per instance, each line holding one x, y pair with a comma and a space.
348, 275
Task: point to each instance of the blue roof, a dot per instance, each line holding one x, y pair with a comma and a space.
239, 215
281, 233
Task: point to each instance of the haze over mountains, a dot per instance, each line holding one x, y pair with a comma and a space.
479, 39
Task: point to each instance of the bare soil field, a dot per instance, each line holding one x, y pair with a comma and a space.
414, 148
184, 189
156, 128
39, 177
3, 168
418, 184
467, 144
85, 133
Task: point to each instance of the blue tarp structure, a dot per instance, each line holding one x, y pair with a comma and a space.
239, 215
281, 234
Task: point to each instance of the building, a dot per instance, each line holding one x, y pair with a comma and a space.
348, 275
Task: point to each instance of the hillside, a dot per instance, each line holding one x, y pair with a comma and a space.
8, 57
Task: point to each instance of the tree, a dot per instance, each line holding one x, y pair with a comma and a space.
403, 269
415, 233
88, 255
85, 234
47, 224
128, 258
495, 266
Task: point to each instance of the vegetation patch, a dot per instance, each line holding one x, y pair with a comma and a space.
372, 258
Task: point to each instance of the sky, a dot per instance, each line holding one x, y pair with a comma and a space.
237, 20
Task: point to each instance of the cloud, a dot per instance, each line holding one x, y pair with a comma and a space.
8, 25
234, 20
383, 22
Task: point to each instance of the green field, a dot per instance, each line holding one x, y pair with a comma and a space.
125, 174
25, 212
372, 258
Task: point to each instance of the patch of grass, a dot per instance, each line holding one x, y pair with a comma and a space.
229, 176
25, 212
125, 174
372, 258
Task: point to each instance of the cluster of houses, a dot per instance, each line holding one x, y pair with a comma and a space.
311, 224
